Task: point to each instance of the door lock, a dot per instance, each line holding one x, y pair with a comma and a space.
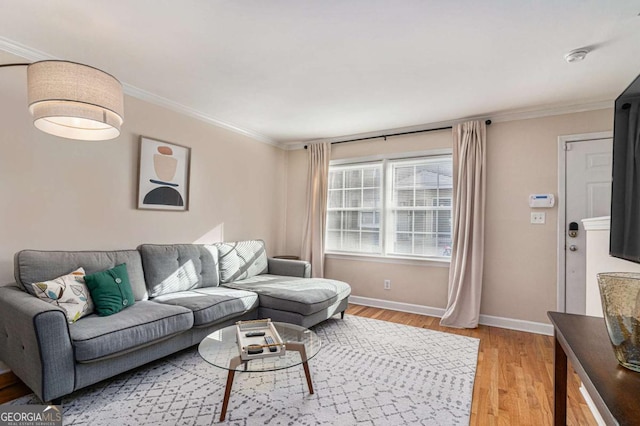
573, 229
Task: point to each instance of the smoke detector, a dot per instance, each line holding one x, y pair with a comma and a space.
576, 55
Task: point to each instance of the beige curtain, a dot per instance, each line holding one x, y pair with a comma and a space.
315, 224
469, 182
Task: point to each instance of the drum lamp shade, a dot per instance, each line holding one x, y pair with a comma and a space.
74, 101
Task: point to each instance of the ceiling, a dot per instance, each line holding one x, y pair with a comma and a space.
288, 71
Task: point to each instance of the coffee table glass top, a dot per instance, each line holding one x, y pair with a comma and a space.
220, 347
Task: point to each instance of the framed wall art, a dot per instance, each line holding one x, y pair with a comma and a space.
164, 176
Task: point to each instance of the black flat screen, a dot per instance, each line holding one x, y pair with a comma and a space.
625, 190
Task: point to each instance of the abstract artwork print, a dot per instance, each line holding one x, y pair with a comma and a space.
164, 176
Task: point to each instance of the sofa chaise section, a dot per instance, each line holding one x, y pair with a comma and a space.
285, 291
302, 301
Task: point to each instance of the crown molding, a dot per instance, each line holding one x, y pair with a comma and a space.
495, 118
32, 54
551, 111
192, 112
23, 51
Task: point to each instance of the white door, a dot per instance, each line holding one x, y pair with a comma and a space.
588, 194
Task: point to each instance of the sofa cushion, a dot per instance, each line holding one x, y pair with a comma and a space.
301, 295
178, 267
68, 292
213, 304
241, 259
145, 322
110, 290
32, 266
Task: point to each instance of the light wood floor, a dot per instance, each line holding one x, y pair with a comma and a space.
514, 379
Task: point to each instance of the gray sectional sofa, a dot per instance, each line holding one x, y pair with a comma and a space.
183, 292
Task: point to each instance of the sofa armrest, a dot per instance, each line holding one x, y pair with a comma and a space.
291, 268
35, 343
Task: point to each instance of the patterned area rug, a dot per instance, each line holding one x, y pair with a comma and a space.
368, 372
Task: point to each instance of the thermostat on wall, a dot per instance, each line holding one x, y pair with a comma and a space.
541, 200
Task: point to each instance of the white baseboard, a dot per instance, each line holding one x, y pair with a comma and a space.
592, 406
397, 306
508, 323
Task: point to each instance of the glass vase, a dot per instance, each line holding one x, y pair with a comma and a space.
620, 295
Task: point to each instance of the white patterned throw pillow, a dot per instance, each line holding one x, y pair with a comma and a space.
68, 292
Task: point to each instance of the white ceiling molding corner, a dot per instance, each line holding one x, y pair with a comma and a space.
33, 55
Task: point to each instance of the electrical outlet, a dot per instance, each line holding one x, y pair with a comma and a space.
387, 284
538, 218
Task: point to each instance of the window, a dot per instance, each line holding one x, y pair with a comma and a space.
354, 208
399, 207
420, 207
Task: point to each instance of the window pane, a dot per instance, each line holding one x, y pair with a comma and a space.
371, 198
420, 221
444, 199
370, 242
335, 198
427, 176
351, 221
334, 220
336, 179
425, 244
426, 197
353, 198
403, 221
333, 240
403, 243
351, 241
353, 179
404, 197
444, 221
403, 177
371, 178
370, 220
444, 245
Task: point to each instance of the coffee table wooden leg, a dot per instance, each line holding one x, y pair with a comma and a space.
299, 347
227, 392
233, 364
308, 374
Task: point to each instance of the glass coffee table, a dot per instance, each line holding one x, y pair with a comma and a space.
221, 350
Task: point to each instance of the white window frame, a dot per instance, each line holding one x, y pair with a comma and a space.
386, 228
361, 208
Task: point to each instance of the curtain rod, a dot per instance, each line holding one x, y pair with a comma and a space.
22, 64
487, 122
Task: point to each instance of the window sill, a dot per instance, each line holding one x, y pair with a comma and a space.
397, 260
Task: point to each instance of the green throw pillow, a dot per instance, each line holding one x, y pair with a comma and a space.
110, 290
